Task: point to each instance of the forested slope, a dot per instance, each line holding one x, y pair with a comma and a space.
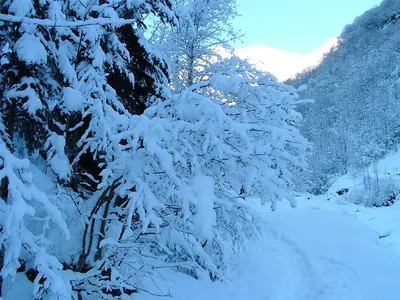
354, 120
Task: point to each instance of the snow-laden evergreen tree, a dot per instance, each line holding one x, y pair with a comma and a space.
137, 177
60, 63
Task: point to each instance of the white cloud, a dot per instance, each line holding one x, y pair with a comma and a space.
283, 64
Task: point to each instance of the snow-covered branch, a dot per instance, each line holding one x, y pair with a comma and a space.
66, 23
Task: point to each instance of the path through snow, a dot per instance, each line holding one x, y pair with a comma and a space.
314, 252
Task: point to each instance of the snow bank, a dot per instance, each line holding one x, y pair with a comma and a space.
377, 185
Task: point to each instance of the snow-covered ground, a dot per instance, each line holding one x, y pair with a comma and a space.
319, 250
327, 249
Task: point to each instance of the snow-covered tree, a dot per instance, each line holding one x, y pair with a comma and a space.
198, 158
202, 38
60, 63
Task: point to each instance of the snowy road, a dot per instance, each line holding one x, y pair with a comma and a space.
344, 256
309, 253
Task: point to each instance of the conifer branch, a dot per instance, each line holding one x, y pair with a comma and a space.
65, 23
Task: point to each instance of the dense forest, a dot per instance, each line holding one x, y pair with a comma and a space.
354, 120
133, 139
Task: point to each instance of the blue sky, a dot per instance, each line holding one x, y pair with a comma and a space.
296, 25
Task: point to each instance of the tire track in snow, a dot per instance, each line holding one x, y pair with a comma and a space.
337, 279
298, 276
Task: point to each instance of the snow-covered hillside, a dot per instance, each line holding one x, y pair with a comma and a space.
354, 120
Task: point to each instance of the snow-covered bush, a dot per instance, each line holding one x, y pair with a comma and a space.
177, 185
379, 192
